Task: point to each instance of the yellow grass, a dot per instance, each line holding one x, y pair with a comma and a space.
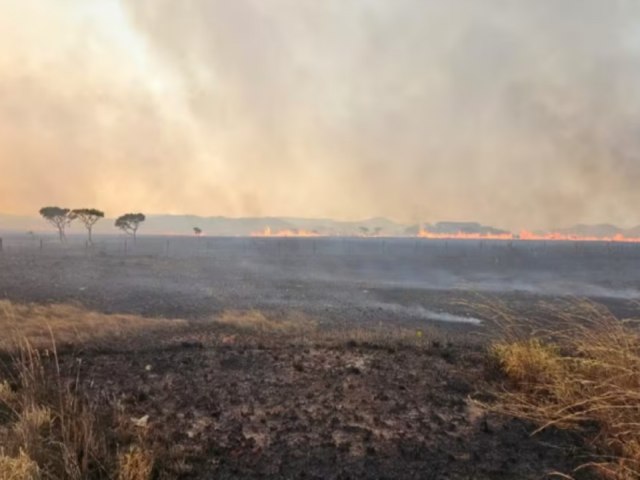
53, 430
51, 424
20, 467
529, 362
136, 464
582, 373
257, 321
70, 324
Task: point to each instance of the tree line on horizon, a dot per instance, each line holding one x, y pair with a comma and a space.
61, 218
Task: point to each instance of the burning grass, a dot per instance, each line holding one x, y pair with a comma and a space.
583, 375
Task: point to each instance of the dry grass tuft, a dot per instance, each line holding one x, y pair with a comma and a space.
7, 394
528, 362
582, 375
256, 321
70, 324
20, 467
136, 464
48, 427
51, 430
51, 423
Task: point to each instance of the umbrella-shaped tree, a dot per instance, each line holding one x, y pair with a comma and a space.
59, 217
130, 222
89, 217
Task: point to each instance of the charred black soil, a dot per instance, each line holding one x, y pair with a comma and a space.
227, 403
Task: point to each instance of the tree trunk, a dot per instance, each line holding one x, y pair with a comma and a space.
61, 234
90, 237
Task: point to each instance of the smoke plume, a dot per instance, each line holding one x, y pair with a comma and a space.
514, 113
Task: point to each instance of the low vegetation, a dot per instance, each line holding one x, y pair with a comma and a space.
256, 321
50, 430
583, 374
70, 324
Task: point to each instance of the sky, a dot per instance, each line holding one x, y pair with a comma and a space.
514, 113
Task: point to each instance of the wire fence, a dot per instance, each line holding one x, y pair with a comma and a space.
164, 246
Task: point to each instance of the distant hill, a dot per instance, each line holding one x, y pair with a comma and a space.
633, 232
184, 224
463, 227
455, 227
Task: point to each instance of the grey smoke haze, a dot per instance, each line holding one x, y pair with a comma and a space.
519, 114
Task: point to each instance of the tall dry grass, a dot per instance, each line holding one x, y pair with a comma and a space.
582, 373
49, 429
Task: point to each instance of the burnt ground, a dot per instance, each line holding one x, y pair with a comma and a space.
340, 281
233, 403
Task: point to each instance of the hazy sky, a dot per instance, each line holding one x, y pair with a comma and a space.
516, 113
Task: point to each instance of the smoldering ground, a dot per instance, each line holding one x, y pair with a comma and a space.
359, 281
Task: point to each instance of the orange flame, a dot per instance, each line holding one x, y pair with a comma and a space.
526, 235
267, 232
565, 237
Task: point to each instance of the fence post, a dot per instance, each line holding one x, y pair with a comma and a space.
0, 244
